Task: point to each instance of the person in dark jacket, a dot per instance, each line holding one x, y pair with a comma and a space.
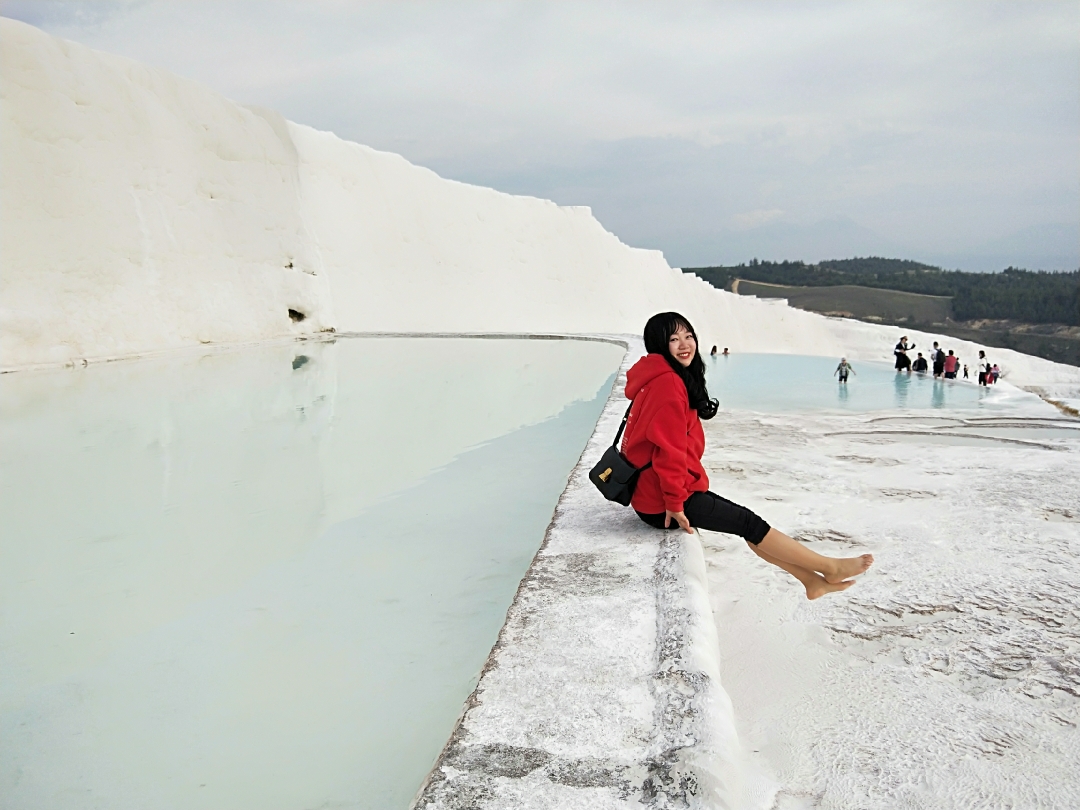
903, 362
919, 366
937, 357
670, 399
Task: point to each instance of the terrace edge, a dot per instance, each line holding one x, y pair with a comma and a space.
623, 709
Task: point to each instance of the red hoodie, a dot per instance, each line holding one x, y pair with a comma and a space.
664, 429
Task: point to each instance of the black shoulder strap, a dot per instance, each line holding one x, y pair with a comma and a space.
619, 432
622, 427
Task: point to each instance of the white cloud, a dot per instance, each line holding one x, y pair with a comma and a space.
938, 125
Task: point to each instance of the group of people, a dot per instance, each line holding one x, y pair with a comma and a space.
944, 366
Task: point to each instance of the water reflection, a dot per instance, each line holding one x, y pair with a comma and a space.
267, 578
901, 386
937, 397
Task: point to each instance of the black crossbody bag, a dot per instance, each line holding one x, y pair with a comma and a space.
613, 475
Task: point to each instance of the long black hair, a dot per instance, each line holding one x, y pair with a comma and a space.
658, 332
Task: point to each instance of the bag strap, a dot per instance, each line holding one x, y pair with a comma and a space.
622, 427
619, 432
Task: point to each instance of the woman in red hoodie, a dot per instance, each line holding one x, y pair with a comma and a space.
670, 400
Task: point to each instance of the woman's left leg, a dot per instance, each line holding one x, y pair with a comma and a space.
835, 570
815, 584
707, 510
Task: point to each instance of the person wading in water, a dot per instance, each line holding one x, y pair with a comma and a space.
844, 369
670, 399
903, 362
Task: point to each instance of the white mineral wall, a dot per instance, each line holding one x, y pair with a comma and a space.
141, 212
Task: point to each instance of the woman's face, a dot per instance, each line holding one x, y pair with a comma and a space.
682, 346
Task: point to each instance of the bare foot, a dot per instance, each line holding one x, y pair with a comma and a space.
848, 567
820, 586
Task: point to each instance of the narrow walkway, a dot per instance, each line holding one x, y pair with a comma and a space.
602, 691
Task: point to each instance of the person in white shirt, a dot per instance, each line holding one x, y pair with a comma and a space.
983, 367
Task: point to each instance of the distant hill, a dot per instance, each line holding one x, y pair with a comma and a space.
1036, 313
1032, 297
863, 303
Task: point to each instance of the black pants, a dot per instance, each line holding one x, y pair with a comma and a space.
707, 510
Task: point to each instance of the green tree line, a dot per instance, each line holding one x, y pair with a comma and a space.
1031, 296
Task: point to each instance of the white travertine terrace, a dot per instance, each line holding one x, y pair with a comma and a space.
144, 213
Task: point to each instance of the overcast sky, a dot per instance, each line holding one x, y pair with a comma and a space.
939, 131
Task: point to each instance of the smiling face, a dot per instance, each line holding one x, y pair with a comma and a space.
682, 346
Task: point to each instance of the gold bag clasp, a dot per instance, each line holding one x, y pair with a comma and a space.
605, 475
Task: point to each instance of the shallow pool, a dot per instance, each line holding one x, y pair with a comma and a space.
781, 382
269, 578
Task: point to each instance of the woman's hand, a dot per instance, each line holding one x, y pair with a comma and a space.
680, 518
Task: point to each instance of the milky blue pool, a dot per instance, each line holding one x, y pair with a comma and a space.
780, 382
268, 579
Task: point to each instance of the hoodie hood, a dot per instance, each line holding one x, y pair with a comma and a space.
644, 371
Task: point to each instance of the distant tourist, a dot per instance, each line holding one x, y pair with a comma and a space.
903, 362
937, 357
726, 351
664, 439
919, 366
965, 371
995, 372
843, 369
951, 362
983, 367
713, 352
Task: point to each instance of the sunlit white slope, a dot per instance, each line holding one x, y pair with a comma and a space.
406, 249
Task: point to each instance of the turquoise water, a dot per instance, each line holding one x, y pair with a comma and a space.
780, 382
268, 579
